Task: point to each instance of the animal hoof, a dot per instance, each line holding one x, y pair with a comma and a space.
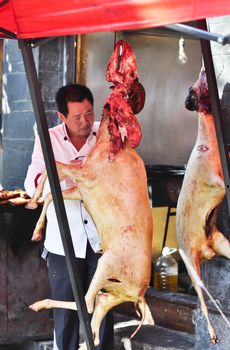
36, 306
31, 206
214, 340
83, 347
36, 237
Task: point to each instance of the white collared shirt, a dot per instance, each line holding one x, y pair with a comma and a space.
81, 224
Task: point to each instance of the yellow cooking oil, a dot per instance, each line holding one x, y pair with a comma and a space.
166, 271
165, 282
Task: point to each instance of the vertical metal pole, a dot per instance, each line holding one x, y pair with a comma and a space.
216, 109
42, 125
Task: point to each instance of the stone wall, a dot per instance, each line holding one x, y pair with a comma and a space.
216, 273
18, 118
19, 126
221, 60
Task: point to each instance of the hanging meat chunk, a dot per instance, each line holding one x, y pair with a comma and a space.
127, 98
202, 192
112, 184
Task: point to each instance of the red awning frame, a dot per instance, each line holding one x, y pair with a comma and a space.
182, 28
40, 18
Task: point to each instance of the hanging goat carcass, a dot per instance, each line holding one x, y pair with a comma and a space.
113, 186
202, 193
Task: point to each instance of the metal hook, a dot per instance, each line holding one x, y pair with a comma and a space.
182, 57
115, 39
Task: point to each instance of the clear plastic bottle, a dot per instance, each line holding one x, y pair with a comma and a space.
166, 271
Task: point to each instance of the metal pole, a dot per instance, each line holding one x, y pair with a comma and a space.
216, 109
199, 33
42, 125
8, 33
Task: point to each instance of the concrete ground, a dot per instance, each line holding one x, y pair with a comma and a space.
147, 338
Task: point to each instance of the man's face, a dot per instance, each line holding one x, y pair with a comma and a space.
80, 118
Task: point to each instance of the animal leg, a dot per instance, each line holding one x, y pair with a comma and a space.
76, 170
196, 264
83, 347
50, 304
37, 234
100, 278
33, 202
70, 170
220, 244
104, 302
71, 193
212, 333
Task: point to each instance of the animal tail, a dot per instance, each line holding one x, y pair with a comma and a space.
146, 315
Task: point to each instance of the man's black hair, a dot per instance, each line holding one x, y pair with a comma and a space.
72, 93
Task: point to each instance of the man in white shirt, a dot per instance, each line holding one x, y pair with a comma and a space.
71, 140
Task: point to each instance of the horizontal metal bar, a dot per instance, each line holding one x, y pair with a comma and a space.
3, 2
11, 35
39, 42
199, 33
227, 39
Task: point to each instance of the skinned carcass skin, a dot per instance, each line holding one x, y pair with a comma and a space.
112, 184
201, 194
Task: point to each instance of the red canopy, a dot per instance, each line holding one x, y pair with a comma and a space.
45, 18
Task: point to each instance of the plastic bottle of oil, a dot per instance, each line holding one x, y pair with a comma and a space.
166, 271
